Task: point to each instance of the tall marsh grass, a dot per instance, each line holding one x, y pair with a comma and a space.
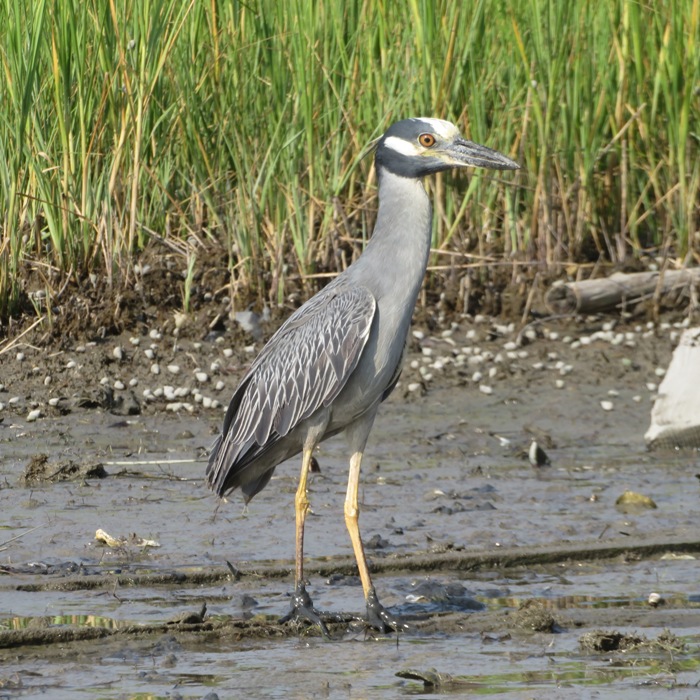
242, 124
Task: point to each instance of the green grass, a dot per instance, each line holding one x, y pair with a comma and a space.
241, 124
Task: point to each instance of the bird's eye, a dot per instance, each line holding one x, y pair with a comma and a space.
426, 140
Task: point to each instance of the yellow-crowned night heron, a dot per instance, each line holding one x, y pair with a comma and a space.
337, 357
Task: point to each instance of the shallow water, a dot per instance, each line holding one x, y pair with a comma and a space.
434, 478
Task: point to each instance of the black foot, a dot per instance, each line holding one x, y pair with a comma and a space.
379, 618
303, 607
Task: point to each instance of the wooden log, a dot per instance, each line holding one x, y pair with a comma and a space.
591, 296
675, 417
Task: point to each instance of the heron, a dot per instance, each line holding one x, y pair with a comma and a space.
339, 356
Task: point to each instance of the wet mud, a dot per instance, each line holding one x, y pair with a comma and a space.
514, 580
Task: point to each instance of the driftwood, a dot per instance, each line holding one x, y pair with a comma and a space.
675, 417
590, 296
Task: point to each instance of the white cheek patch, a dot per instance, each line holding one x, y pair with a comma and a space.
405, 148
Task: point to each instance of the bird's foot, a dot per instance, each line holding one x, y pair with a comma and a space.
379, 618
303, 607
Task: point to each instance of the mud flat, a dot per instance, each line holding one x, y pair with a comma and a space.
501, 569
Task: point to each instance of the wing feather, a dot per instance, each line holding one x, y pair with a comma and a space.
303, 368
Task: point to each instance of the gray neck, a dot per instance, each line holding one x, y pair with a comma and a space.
394, 261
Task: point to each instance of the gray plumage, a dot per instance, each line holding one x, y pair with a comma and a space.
336, 358
339, 355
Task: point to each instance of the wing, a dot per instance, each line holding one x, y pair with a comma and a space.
303, 368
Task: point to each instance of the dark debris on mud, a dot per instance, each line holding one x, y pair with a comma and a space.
534, 615
41, 470
604, 641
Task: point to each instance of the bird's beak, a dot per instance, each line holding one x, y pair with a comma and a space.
462, 153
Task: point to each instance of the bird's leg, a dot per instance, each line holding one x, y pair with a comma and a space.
377, 616
301, 605
301, 508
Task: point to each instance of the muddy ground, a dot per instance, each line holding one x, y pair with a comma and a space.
515, 580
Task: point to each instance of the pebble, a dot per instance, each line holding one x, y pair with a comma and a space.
654, 599
228, 352
174, 369
47, 380
219, 385
118, 385
148, 352
559, 383
154, 334
118, 353
659, 371
134, 340
206, 401
485, 389
80, 348
54, 401
651, 386
133, 381
19, 356
155, 368
71, 364
14, 401
104, 381
201, 377
414, 386
607, 405
33, 415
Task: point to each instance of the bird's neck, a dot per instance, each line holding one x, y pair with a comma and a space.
402, 236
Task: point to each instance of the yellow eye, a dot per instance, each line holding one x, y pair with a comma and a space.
426, 140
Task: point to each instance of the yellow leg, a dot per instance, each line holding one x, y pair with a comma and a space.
352, 514
301, 507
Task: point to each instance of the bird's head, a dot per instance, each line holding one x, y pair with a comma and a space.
418, 147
